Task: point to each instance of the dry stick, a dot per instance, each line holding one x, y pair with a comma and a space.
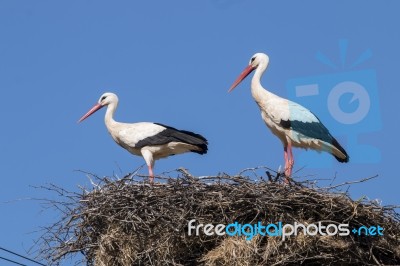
350, 182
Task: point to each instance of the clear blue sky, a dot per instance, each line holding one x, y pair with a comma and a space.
172, 62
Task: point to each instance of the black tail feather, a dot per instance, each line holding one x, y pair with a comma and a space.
340, 148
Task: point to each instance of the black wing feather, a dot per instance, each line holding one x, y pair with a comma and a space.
171, 134
315, 130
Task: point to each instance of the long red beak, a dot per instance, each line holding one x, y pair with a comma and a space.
91, 111
242, 76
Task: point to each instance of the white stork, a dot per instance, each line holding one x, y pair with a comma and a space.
150, 140
292, 123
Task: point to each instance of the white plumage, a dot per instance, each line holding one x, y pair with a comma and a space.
153, 141
292, 123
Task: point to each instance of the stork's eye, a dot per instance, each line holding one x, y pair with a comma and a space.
102, 98
252, 59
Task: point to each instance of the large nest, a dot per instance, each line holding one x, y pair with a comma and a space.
130, 222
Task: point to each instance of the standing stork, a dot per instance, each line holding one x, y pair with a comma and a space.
293, 124
153, 141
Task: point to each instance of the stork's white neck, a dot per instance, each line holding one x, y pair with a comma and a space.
109, 117
257, 90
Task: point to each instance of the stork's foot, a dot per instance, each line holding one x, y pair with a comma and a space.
288, 170
288, 174
286, 180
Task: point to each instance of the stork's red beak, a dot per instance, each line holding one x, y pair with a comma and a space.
242, 76
91, 111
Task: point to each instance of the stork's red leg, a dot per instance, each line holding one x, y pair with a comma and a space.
151, 174
291, 158
285, 150
289, 162
285, 155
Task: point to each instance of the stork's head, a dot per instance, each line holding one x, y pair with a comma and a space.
105, 99
258, 60
108, 98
